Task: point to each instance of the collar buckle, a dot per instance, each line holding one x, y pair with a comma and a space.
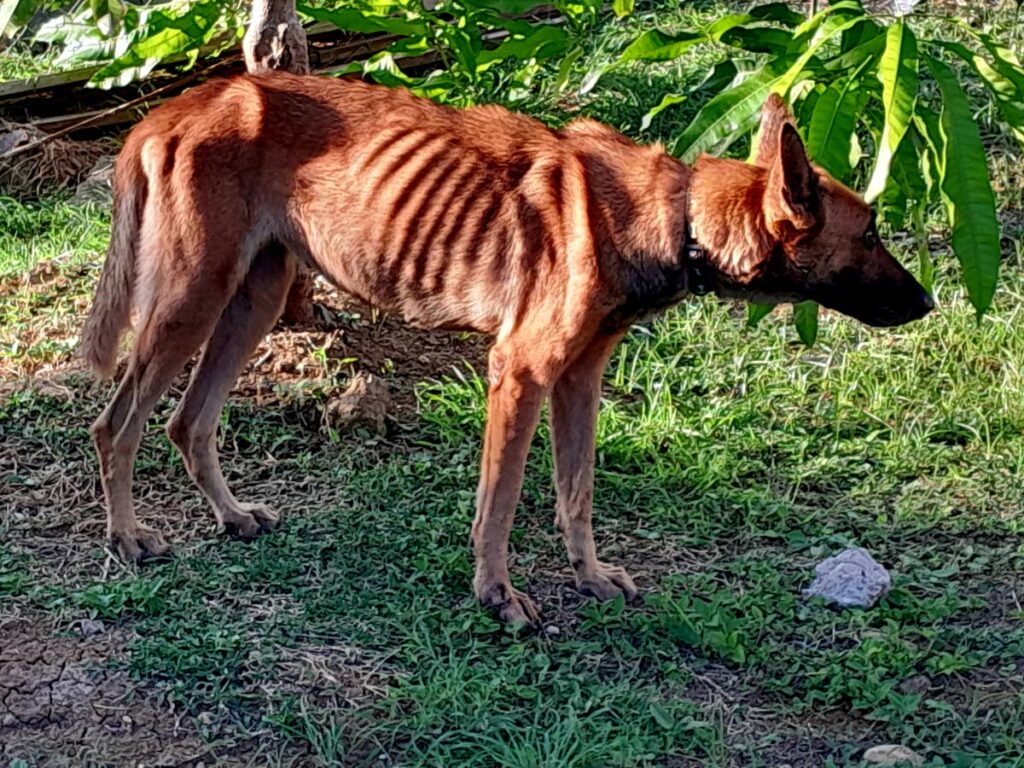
698, 274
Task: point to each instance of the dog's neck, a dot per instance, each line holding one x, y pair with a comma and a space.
680, 230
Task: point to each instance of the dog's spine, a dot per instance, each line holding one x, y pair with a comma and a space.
111, 309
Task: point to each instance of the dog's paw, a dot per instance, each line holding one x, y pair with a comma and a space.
606, 582
247, 521
510, 605
267, 518
519, 610
136, 544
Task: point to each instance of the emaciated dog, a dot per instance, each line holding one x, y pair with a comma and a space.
552, 241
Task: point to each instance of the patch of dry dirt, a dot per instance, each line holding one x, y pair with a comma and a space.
63, 704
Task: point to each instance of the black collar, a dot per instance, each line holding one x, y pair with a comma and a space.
699, 274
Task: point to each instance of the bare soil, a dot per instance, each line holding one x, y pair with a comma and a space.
62, 703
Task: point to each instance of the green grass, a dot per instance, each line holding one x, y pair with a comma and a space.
20, 64
730, 461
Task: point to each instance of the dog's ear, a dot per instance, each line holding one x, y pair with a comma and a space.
774, 114
792, 191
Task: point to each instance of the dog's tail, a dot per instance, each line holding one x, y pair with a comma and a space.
111, 308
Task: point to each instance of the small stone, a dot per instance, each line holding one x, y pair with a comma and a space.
90, 627
892, 754
851, 578
552, 631
98, 185
206, 718
366, 401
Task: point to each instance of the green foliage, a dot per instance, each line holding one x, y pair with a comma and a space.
858, 80
483, 44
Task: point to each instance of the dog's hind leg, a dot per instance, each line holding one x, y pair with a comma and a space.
176, 323
193, 427
574, 403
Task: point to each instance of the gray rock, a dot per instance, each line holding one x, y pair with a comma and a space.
849, 579
90, 627
892, 754
98, 185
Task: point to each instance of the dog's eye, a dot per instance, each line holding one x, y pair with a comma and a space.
870, 239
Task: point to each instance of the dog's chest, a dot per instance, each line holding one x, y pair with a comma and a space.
649, 289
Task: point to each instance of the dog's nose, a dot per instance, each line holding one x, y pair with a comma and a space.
929, 302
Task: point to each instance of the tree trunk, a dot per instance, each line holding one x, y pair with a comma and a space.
276, 40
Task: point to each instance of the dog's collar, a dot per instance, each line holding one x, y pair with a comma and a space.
699, 274
698, 271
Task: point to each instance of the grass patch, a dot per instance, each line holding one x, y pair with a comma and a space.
730, 461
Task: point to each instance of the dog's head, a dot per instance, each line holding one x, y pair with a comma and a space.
821, 240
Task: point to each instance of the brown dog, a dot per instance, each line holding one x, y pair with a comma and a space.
555, 242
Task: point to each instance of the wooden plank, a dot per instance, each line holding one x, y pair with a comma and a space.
46, 82
328, 57
84, 74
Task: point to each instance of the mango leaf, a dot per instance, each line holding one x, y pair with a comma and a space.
716, 29
668, 100
926, 125
727, 116
592, 76
831, 26
803, 107
759, 39
15, 12
465, 44
805, 318
354, 20
565, 68
107, 15
906, 171
823, 16
1008, 95
543, 41
757, 312
857, 36
622, 7
163, 36
871, 44
1003, 60
7, 9
966, 190
897, 72
892, 204
384, 70
728, 71
926, 270
833, 122
655, 45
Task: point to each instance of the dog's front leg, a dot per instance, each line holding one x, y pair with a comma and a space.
574, 404
513, 409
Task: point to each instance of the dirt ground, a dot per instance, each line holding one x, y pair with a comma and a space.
62, 703
63, 699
